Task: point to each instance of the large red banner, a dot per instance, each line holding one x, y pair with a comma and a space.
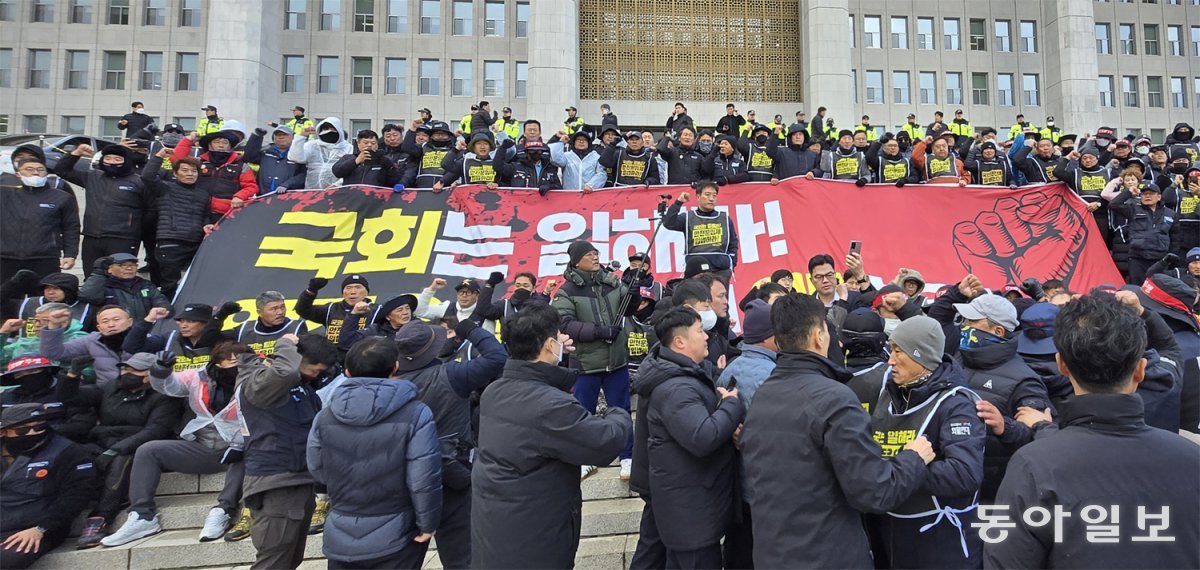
399, 241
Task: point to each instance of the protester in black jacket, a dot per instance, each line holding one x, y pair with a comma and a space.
114, 281
531, 169
41, 223
796, 159
684, 160
183, 214
499, 310
810, 455
393, 149
117, 200
1103, 457
1147, 227
332, 315
889, 164
534, 436
690, 446
385, 321
369, 166
726, 165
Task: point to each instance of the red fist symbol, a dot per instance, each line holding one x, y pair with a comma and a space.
1039, 236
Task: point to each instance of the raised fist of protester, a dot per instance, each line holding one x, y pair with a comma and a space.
1131, 300
1001, 244
316, 283
11, 326
495, 278
229, 308
1033, 288
165, 358
361, 308
683, 198
970, 286
923, 448
157, 314
100, 266
84, 151
437, 283
1171, 261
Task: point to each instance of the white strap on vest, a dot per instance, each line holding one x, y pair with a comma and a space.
948, 513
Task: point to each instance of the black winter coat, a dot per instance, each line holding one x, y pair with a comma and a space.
790, 162
522, 173
684, 164
526, 501
136, 295
1148, 231
127, 419
815, 468
380, 172
723, 169
115, 205
183, 211
38, 222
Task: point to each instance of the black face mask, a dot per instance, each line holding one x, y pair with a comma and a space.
330, 137
113, 342
219, 156
761, 140
115, 169
27, 444
130, 382
534, 157
1179, 168
519, 297
223, 375
35, 383
643, 314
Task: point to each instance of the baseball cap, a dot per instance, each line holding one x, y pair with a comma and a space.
468, 284
425, 110
992, 307
22, 414
22, 364
298, 108
633, 135
570, 109
139, 361
1037, 329
506, 110
122, 258
912, 116
173, 127
212, 108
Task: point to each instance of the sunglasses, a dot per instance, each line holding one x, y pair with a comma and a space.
28, 429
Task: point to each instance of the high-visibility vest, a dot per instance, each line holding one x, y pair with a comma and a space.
915, 132
861, 128
207, 128
298, 125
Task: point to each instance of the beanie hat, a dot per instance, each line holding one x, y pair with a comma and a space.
356, 278
1193, 254
577, 250
695, 266
757, 324
922, 339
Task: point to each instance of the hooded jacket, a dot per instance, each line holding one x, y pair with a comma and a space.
378, 501
275, 171
587, 301
795, 160
578, 171
223, 180
116, 203
318, 156
724, 169
1184, 136
39, 223
526, 500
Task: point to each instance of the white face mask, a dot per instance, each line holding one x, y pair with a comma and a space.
141, 111
33, 181
559, 354
1143, 150
708, 319
889, 326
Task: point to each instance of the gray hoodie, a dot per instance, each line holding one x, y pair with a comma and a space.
319, 156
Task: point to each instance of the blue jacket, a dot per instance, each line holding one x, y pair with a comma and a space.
578, 172
376, 449
275, 171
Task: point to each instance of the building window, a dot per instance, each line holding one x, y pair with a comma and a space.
1031, 95
979, 89
331, 15
1129, 84
428, 74
431, 17
523, 20
954, 87
493, 19
361, 73
293, 73
900, 87
189, 13
1107, 91
925, 33
77, 68
35, 123
460, 78
951, 34
364, 15
493, 79
294, 14
1175, 40
871, 31
928, 81
6, 15
1028, 36
74, 124
357, 125
152, 69
1178, 95
1103, 39
114, 70
1154, 92
850, 22
1195, 40
156, 13
327, 75
81, 11
899, 32
188, 123
109, 127
395, 76
978, 35
6, 67
1128, 40
1150, 36
43, 11
854, 85
1004, 89
118, 12
188, 78
464, 15
1003, 35
39, 69
1196, 90
874, 86
523, 78
397, 16
1158, 134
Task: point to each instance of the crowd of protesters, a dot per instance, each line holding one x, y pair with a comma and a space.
869, 423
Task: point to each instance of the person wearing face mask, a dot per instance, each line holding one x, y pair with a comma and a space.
384, 321
275, 172
116, 197
925, 394
682, 157
1183, 136
753, 145
796, 159
1050, 131
112, 342
211, 123
726, 165
184, 212
523, 295
634, 163
580, 163
532, 168
34, 378
533, 437
211, 442
172, 134
41, 228
430, 154
325, 145
864, 344
893, 304
47, 482
272, 323
720, 337
131, 414
225, 175
889, 164
114, 281
135, 120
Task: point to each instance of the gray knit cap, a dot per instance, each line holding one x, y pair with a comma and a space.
922, 339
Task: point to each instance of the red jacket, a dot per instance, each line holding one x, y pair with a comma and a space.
246, 181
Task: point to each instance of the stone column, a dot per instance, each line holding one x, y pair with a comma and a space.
826, 60
242, 75
1070, 80
553, 61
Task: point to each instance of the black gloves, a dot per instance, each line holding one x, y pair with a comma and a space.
164, 364
1171, 261
78, 364
722, 181
232, 456
495, 278
465, 328
543, 190
316, 283
261, 131
607, 332
228, 309
900, 183
860, 182
1032, 288
101, 265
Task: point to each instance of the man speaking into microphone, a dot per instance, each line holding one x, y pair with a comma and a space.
590, 304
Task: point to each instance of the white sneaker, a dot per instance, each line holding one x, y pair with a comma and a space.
215, 524
586, 471
626, 469
133, 529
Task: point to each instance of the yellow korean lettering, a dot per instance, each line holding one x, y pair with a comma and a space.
415, 232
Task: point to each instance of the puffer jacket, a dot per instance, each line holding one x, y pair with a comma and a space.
684, 164
115, 204
127, 419
380, 500
1149, 231
724, 170
318, 157
586, 301
182, 210
275, 171
39, 222
223, 181
794, 160
137, 296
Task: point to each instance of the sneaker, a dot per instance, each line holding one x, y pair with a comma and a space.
318, 519
215, 524
93, 531
241, 530
133, 529
626, 469
586, 471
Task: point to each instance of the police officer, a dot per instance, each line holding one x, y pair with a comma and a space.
865, 127
1019, 127
1050, 131
508, 125
915, 132
299, 122
354, 291
574, 123
270, 326
960, 126
211, 123
707, 232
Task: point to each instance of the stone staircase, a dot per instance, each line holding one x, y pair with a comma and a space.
611, 515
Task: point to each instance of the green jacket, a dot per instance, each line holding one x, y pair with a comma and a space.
11, 348
585, 301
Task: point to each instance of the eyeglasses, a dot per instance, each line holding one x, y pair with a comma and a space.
824, 276
28, 429
32, 170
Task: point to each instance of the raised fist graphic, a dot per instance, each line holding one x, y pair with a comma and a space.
1039, 236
